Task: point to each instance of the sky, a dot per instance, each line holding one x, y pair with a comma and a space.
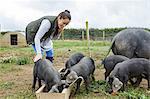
16, 14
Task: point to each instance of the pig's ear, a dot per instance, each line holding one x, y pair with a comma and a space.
67, 72
109, 80
62, 70
54, 89
66, 64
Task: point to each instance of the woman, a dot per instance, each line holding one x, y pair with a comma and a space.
40, 33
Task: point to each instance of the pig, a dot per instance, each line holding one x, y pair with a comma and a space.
73, 59
44, 70
110, 62
132, 43
84, 68
133, 68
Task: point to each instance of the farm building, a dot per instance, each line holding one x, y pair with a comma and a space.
15, 39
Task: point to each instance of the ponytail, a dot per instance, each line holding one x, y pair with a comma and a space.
65, 14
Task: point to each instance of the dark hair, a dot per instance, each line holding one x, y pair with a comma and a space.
65, 14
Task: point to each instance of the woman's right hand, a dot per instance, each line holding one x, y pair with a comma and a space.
37, 57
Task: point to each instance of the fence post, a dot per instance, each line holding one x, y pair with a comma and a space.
82, 35
88, 38
103, 35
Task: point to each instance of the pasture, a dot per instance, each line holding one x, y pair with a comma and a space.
16, 71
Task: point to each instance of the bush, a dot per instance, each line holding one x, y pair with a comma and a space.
23, 61
17, 60
10, 59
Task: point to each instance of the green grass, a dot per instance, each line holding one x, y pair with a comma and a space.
98, 89
59, 45
23, 94
6, 68
23, 60
73, 43
6, 85
98, 50
16, 52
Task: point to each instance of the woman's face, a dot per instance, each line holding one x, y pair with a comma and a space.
62, 23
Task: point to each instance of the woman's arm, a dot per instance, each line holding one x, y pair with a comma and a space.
44, 27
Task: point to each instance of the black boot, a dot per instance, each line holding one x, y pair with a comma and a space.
50, 58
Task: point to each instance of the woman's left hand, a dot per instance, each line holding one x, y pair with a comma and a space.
37, 57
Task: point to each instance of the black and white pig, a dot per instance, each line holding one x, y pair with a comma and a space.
134, 68
44, 70
84, 68
110, 62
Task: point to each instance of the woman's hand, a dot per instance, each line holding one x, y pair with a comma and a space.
37, 57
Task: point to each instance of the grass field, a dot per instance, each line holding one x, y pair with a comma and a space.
16, 71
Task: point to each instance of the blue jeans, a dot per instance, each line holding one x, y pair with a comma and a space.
49, 53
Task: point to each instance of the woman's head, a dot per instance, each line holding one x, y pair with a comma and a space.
63, 19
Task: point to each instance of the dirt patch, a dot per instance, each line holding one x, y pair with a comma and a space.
22, 78
99, 74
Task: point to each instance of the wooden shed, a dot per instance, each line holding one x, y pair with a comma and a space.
9, 39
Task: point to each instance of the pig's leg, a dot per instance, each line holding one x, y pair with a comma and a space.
131, 81
92, 75
139, 79
39, 81
34, 83
48, 86
107, 72
78, 86
125, 82
106, 75
87, 81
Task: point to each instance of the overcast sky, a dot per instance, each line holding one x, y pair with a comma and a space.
16, 14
